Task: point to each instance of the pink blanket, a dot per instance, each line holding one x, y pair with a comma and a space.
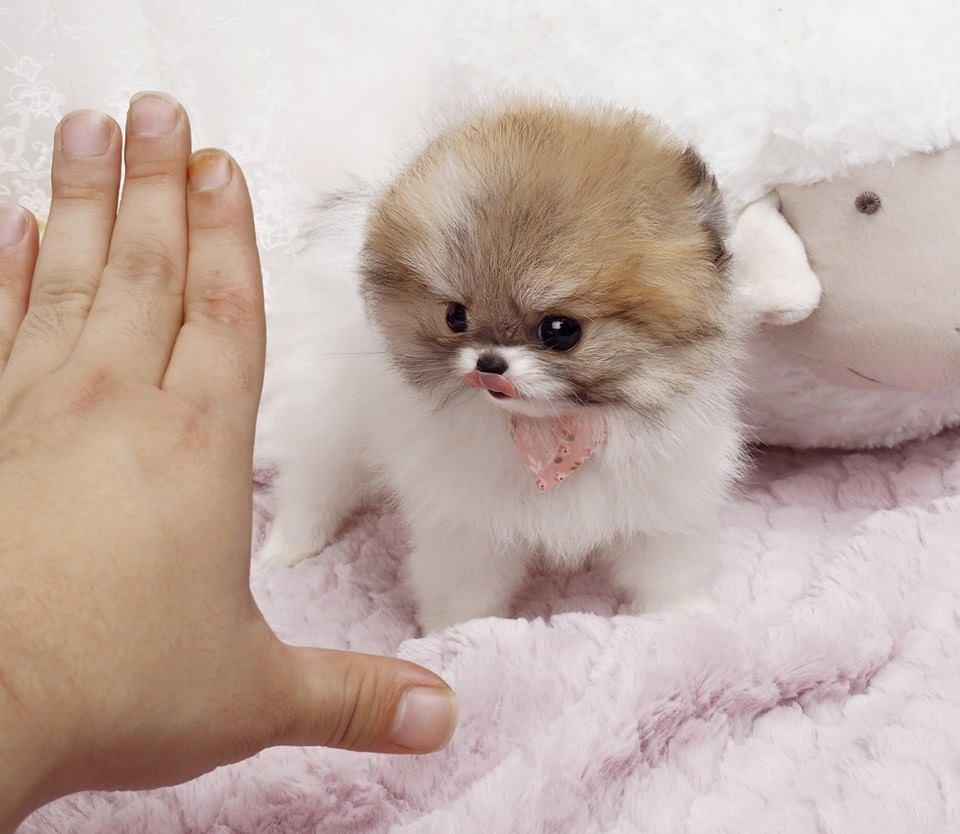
826, 697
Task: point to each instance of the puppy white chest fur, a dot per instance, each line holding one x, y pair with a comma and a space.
459, 469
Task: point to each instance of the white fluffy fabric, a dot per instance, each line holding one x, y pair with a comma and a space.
769, 92
826, 697
307, 93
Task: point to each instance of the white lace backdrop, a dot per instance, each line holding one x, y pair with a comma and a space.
256, 77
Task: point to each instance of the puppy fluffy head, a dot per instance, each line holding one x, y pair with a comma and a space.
581, 249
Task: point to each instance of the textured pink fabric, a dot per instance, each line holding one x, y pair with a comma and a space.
556, 447
825, 697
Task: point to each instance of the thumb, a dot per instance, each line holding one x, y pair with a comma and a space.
362, 702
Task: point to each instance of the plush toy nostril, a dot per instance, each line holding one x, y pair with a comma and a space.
868, 202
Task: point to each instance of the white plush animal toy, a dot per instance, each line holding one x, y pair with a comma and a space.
856, 283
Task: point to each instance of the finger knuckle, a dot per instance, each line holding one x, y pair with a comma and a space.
161, 172
361, 709
67, 289
144, 261
208, 216
220, 301
70, 190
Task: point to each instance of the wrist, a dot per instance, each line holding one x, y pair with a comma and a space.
31, 764
24, 770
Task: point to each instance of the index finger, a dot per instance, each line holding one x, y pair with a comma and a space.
219, 351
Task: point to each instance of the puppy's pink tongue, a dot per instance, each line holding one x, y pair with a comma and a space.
491, 382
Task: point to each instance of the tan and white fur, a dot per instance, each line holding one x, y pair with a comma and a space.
519, 213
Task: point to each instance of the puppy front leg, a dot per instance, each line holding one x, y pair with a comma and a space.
456, 575
666, 572
312, 503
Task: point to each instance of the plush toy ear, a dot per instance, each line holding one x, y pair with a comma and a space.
774, 281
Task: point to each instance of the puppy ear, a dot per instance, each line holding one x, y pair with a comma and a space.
773, 279
708, 202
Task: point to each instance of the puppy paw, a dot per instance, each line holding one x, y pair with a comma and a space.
282, 551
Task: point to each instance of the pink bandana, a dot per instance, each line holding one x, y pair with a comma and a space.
553, 448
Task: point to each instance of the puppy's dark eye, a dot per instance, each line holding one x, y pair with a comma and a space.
457, 317
558, 332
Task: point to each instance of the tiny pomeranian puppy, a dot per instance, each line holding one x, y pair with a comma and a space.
527, 341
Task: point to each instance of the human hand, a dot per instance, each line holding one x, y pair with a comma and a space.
132, 653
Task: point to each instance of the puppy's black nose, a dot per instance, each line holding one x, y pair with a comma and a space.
491, 363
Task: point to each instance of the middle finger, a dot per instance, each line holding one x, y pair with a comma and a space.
138, 308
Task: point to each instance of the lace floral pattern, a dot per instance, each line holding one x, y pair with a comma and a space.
292, 90
30, 109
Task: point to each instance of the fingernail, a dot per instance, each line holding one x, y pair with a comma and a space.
85, 133
153, 114
425, 719
13, 225
208, 170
